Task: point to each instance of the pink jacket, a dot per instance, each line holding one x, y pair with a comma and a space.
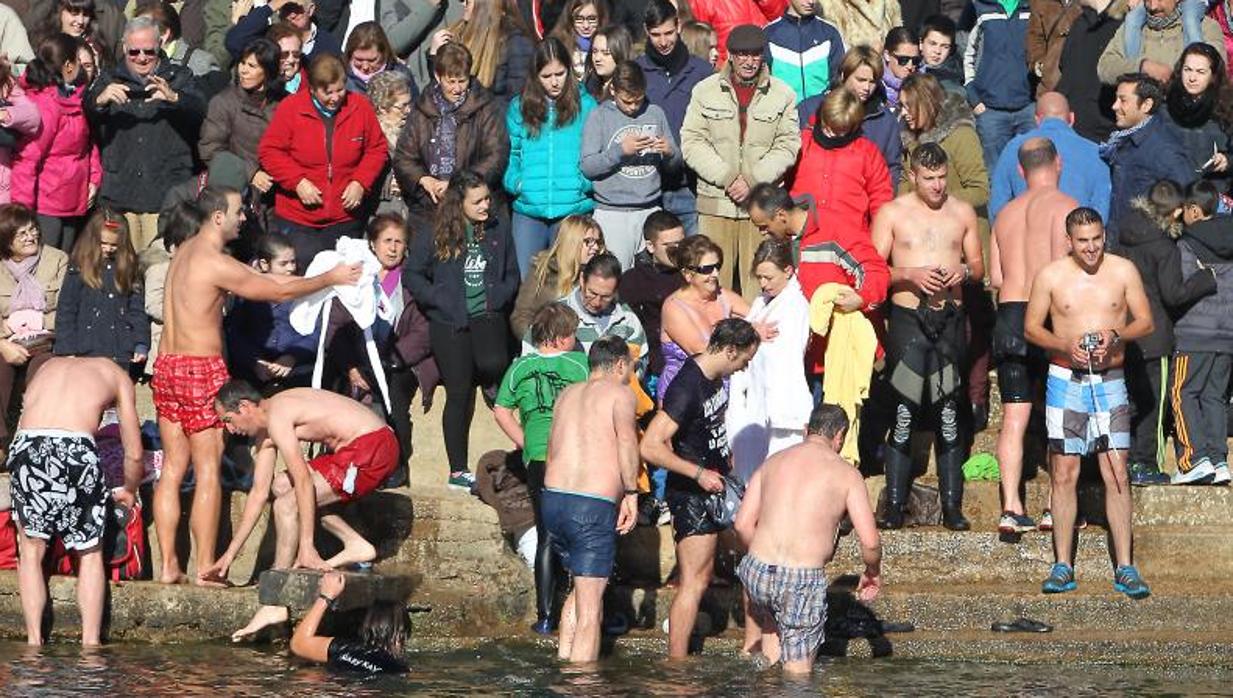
23, 117
52, 170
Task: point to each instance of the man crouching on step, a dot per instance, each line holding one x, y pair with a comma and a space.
789, 522
361, 452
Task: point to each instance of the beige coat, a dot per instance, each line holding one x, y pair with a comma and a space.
50, 272
863, 21
1162, 46
711, 140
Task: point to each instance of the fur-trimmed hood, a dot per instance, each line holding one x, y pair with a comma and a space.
1117, 9
1133, 235
954, 113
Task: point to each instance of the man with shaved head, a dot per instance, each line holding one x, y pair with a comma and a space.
1085, 177
1028, 234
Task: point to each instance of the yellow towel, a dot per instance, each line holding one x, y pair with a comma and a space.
849, 358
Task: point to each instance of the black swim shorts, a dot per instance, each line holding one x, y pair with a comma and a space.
58, 487
1021, 366
691, 512
581, 530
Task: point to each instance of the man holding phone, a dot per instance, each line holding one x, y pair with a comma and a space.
148, 112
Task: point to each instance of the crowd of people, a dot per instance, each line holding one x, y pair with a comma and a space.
685, 250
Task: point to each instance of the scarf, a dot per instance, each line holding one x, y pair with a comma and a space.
1162, 23
28, 294
293, 85
892, 85
584, 43
325, 113
365, 77
833, 142
672, 63
1188, 111
1109, 147
441, 152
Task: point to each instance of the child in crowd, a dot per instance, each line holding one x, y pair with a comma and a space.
1192, 12
626, 142
1203, 344
102, 307
576, 28
262, 347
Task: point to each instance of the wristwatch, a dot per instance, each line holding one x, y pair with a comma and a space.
1117, 338
332, 604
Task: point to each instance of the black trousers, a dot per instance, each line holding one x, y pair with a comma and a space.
1144, 378
61, 231
469, 357
546, 565
309, 241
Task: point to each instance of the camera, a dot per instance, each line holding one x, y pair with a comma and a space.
1090, 342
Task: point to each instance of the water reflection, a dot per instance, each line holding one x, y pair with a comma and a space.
531, 668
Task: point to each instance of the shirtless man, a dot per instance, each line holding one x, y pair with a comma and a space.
591, 488
1088, 298
189, 369
58, 488
1029, 233
931, 244
361, 452
688, 438
789, 523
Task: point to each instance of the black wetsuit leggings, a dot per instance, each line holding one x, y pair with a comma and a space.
547, 566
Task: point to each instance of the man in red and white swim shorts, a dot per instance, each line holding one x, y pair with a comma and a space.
184, 389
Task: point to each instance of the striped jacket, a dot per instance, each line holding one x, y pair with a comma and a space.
804, 52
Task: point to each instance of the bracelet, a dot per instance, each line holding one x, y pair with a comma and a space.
630, 492
332, 604
698, 474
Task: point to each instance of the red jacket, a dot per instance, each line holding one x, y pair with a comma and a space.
294, 147
725, 15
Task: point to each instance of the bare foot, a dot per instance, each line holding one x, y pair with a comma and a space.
353, 552
173, 576
263, 618
212, 583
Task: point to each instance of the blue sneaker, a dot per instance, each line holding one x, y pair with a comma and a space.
1061, 579
1147, 474
1126, 579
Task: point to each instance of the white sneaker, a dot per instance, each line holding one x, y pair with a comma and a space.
1222, 476
1201, 474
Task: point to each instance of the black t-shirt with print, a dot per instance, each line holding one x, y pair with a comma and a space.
697, 404
350, 655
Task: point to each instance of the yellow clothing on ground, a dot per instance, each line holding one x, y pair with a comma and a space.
850, 352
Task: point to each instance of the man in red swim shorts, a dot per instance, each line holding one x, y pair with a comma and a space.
361, 452
190, 369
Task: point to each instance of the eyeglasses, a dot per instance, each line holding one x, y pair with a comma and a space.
290, 54
27, 233
746, 55
134, 52
706, 269
905, 61
586, 19
593, 242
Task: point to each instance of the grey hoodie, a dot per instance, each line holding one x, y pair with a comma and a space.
625, 181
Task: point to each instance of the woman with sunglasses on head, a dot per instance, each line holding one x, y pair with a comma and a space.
554, 272
545, 132
902, 58
239, 115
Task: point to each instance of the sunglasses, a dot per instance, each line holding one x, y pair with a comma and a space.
904, 61
134, 52
290, 54
707, 269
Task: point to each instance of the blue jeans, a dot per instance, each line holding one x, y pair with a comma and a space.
683, 204
1192, 25
997, 126
531, 236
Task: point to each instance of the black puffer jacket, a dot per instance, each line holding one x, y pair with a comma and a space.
101, 321
146, 146
1148, 241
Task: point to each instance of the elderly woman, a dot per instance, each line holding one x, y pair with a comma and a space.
455, 125
391, 97
31, 275
324, 150
290, 55
554, 272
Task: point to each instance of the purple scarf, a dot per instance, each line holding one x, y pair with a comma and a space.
892, 84
29, 293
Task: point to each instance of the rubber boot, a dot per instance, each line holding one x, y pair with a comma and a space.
950, 485
545, 585
898, 479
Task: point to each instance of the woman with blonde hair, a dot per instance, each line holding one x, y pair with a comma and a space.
554, 272
701, 40
500, 43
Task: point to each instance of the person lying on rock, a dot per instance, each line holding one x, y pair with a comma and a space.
382, 636
361, 452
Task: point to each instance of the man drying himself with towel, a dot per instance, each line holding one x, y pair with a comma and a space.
789, 521
58, 487
1095, 303
190, 369
930, 241
362, 452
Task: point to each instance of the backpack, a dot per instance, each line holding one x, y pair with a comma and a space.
124, 546
8, 541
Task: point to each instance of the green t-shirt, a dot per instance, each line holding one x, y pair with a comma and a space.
473, 267
531, 386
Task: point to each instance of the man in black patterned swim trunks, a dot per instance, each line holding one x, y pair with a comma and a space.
58, 487
788, 521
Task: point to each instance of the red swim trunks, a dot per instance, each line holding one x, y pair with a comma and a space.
185, 388
361, 466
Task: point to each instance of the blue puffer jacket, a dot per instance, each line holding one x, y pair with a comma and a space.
543, 175
996, 56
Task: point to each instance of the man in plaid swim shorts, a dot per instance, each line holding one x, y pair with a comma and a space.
190, 370
789, 522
